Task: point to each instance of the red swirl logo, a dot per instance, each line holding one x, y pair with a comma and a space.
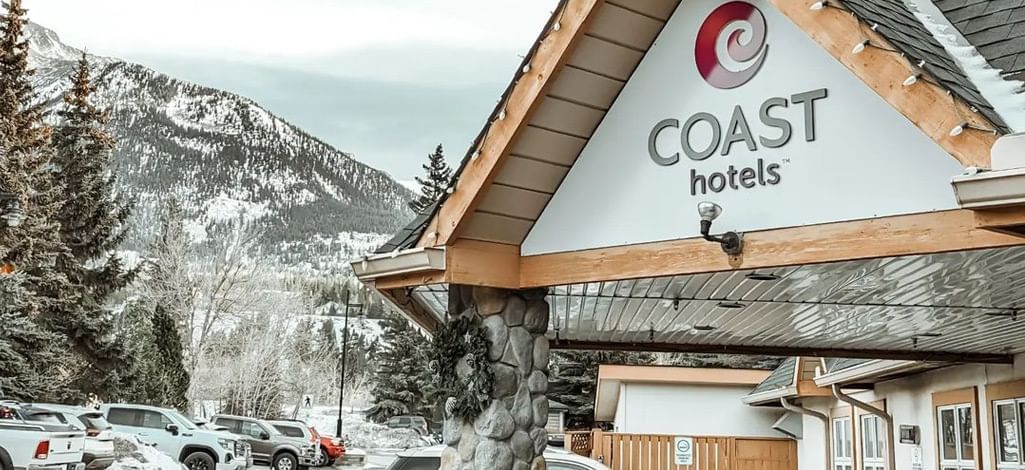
730, 47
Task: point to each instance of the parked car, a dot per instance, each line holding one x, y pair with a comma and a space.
176, 436
269, 446
37, 445
429, 458
416, 423
204, 424
331, 449
99, 439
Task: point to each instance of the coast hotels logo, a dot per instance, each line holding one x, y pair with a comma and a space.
730, 49
723, 60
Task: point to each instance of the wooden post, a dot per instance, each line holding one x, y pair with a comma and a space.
596, 444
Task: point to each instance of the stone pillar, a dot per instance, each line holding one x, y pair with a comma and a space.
510, 434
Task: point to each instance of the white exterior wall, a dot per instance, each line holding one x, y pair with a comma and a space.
909, 401
696, 410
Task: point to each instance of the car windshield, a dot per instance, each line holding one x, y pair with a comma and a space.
182, 420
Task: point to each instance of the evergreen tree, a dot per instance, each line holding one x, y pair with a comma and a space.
92, 226
25, 170
28, 353
173, 378
438, 177
400, 379
574, 375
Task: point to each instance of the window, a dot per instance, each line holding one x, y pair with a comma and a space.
155, 420
289, 431
233, 425
956, 436
1009, 421
873, 443
123, 417
252, 429
843, 456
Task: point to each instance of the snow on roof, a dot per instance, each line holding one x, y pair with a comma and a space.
1004, 94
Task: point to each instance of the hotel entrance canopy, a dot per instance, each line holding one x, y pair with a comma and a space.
878, 187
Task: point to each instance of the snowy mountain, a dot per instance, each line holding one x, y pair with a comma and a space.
225, 157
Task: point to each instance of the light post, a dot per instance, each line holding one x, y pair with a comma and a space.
345, 353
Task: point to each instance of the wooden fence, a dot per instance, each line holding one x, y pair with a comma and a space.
655, 452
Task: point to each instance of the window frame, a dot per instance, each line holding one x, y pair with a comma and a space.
868, 421
1016, 406
1003, 393
837, 461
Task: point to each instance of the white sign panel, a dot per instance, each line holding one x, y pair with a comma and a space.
683, 450
735, 105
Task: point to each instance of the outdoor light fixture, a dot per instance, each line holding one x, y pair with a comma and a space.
731, 305
860, 47
819, 5
913, 79
958, 129
756, 276
732, 242
476, 155
10, 210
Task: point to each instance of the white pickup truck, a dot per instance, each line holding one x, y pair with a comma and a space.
30, 445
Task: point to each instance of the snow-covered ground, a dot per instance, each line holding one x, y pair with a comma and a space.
131, 454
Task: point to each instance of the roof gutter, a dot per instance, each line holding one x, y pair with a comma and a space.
1003, 186
767, 396
891, 455
795, 408
863, 371
411, 261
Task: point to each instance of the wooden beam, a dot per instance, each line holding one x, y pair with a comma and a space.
409, 280
554, 50
1008, 220
477, 263
927, 106
917, 234
936, 356
400, 299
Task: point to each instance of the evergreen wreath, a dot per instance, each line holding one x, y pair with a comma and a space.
453, 341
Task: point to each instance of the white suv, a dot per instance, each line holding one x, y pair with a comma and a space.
178, 437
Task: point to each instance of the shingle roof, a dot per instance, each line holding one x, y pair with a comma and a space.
898, 24
410, 234
995, 27
782, 377
834, 365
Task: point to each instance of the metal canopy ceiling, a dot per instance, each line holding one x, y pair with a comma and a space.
955, 303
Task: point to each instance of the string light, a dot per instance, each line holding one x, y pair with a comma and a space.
557, 26
911, 80
526, 68
860, 47
501, 115
475, 155
819, 5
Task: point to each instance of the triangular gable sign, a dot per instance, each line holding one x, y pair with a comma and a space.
734, 104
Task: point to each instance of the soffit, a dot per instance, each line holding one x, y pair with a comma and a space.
959, 303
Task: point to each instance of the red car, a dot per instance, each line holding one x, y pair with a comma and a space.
331, 449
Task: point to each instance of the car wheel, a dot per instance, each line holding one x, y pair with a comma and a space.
199, 461
5, 460
325, 459
285, 461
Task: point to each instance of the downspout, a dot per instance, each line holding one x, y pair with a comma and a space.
787, 405
891, 455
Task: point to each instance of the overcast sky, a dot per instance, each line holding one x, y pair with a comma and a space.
384, 79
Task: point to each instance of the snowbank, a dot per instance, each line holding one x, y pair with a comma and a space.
360, 434
130, 453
